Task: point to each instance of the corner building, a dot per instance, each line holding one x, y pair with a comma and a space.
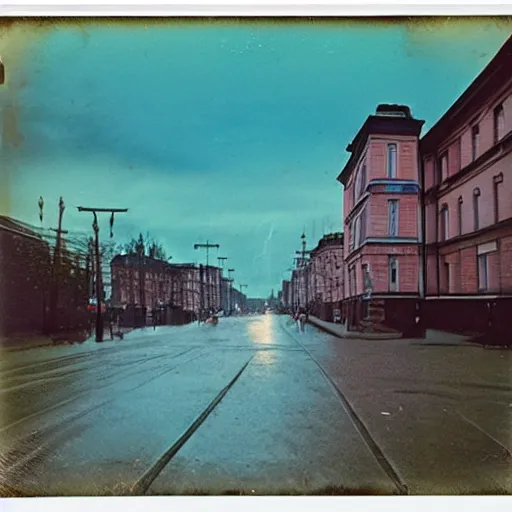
382, 222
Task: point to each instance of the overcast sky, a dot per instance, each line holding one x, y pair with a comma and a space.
231, 132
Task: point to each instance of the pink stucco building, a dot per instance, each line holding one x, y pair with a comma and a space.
382, 217
467, 179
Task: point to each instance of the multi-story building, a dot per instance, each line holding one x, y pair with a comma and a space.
381, 201
190, 288
301, 292
144, 282
211, 284
141, 282
467, 181
238, 300
325, 269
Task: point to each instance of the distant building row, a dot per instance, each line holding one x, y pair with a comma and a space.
143, 282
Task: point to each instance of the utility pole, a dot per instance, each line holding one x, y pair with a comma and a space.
230, 290
94, 211
207, 246
55, 270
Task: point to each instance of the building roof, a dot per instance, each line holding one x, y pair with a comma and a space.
388, 120
18, 227
329, 240
495, 74
134, 260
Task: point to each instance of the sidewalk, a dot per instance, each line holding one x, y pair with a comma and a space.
432, 338
341, 331
440, 408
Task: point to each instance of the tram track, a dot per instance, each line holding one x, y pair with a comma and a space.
358, 423
80, 394
142, 485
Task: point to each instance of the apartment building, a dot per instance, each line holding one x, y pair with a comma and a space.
467, 203
381, 201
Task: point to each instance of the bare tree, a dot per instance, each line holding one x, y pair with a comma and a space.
147, 244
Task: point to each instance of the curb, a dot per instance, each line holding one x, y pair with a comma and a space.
357, 335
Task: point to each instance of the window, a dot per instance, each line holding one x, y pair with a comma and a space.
496, 183
459, 214
393, 274
363, 179
363, 225
447, 275
391, 160
357, 234
499, 123
444, 223
360, 183
483, 274
475, 141
393, 217
444, 167
366, 278
476, 215
351, 237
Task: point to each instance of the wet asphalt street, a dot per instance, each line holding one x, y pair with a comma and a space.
253, 406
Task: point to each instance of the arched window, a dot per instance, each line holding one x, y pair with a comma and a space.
496, 188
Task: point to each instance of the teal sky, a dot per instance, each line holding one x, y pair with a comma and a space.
229, 132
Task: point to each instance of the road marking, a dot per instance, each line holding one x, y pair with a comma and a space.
142, 485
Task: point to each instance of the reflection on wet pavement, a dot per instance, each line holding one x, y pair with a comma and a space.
92, 419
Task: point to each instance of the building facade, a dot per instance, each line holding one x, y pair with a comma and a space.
326, 276
467, 179
382, 226
286, 296
141, 283
26, 278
